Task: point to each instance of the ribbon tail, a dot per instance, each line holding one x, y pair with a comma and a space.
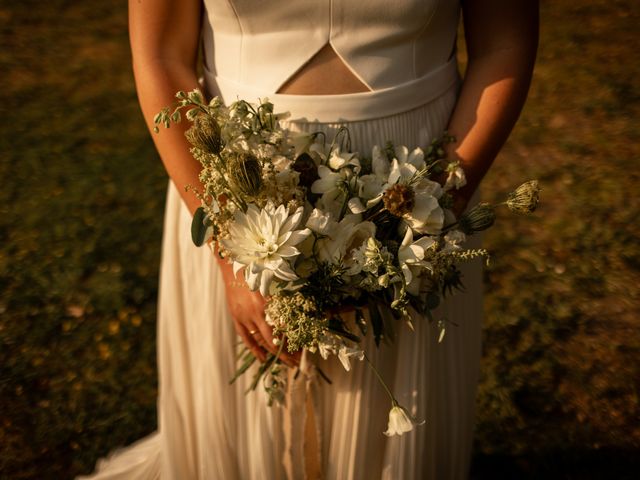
303, 440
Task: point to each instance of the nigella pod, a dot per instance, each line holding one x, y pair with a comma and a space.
478, 218
205, 134
525, 198
245, 172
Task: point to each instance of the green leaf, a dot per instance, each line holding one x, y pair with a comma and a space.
361, 321
199, 226
376, 321
335, 326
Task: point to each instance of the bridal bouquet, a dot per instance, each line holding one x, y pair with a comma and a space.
316, 227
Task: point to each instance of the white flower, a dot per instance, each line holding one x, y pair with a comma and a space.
343, 238
328, 344
456, 178
453, 241
300, 141
345, 353
373, 184
321, 222
411, 258
426, 216
263, 242
400, 421
338, 160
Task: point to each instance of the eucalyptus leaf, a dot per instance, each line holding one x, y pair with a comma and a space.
199, 227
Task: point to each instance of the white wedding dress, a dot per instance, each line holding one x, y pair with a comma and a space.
210, 430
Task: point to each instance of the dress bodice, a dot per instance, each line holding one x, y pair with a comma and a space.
385, 43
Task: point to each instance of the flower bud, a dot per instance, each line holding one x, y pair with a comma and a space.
525, 198
383, 280
245, 172
479, 218
205, 134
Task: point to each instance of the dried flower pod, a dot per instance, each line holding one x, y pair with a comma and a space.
307, 169
399, 199
525, 198
205, 134
479, 218
245, 172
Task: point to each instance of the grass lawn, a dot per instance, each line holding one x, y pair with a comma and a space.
81, 223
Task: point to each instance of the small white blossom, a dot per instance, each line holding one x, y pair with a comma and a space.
345, 353
411, 257
453, 241
456, 178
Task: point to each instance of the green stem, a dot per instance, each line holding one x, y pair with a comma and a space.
382, 382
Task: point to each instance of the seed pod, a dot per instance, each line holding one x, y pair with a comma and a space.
525, 198
205, 134
479, 218
245, 172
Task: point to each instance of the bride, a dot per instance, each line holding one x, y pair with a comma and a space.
387, 70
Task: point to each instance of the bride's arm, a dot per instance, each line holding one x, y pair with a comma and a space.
164, 37
502, 39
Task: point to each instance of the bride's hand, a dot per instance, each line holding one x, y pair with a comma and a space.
247, 309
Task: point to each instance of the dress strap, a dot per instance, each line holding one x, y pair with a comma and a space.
346, 107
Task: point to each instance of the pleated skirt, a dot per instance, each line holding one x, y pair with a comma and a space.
209, 429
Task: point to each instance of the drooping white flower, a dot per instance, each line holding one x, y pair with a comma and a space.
338, 159
345, 354
456, 178
372, 185
264, 242
400, 421
411, 258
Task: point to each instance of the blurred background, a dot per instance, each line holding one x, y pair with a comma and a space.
81, 205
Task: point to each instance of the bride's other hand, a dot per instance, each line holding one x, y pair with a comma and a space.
247, 309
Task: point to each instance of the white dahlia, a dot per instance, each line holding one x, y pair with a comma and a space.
264, 242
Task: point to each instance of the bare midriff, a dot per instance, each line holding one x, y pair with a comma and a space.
324, 74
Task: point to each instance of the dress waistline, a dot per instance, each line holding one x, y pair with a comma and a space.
343, 107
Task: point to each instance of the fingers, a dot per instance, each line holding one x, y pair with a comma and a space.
265, 334
250, 342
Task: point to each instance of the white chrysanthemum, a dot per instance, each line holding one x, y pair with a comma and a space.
411, 259
264, 242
